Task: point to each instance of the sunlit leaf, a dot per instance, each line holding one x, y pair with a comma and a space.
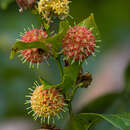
91, 24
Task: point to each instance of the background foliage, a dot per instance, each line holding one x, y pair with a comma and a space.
112, 18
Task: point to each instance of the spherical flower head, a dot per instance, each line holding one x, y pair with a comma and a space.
79, 43
53, 7
33, 55
47, 103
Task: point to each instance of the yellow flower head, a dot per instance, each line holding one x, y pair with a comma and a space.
46, 103
56, 7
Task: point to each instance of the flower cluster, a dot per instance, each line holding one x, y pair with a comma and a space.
79, 43
46, 103
47, 8
33, 55
62, 42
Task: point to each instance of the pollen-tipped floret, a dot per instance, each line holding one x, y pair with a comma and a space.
47, 103
53, 7
79, 43
33, 55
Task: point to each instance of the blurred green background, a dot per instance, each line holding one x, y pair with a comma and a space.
113, 20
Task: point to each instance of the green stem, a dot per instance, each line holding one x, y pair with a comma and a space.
71, 115
60, 66
70, 107
73, 92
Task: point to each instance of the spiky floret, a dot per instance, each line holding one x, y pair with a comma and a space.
33, 55
79, 43
46, 103
48, 8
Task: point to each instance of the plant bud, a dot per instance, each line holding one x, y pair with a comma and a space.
84, 80
25, 4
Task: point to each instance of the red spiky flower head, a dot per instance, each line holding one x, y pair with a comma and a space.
33, 55
46, 103
79, 43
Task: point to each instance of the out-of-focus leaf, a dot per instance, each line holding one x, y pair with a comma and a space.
127, 79
4, 3
121, 121
101, 104
113, 102
91, 24
121, 104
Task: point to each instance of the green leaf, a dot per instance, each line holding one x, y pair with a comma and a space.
64, 25
46, 26
22, 46
91, 24
121, 121
46, 84
56, 40
70, 76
